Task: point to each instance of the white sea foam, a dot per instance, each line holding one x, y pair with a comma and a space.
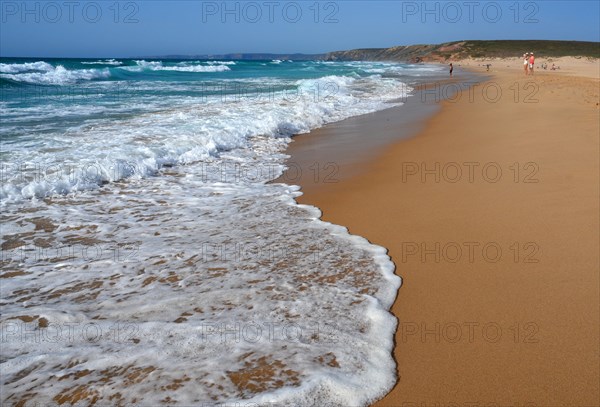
58, 75
105, 62
219, 62
181, 67
196, 68
195, 132
25, 67
208, 270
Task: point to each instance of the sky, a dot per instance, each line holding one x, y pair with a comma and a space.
120, 29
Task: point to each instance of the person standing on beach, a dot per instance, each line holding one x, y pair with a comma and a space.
531, 61
451, 69
525, 63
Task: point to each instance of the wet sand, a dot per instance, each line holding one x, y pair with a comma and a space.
491, 215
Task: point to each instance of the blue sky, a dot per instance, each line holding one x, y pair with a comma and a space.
81, 28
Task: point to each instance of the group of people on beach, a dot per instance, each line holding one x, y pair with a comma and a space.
554, 67
528, 61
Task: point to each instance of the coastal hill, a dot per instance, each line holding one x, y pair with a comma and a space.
470, 49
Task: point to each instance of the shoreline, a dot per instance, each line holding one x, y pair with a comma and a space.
338, 151
542, 214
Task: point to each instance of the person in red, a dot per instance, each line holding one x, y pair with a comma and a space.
531, 62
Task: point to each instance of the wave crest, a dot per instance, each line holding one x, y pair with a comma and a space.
59, 76
105, 62
181, 67
26, 67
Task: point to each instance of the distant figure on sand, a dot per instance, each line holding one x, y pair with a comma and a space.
451, 69
526, 62
531, 62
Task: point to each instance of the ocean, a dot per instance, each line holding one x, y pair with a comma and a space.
148, 259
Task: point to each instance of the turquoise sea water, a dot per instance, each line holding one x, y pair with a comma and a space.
146, 256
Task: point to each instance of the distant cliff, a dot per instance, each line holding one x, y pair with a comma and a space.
475, 49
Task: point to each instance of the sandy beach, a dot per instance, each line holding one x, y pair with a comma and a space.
490, 214
300, 204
